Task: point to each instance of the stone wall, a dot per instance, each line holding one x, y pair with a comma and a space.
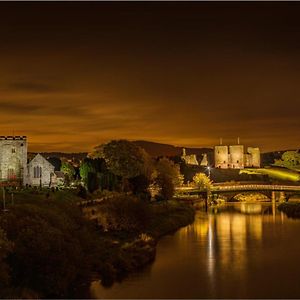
255, 157
221, 157
13, 157
236, 156
47, 172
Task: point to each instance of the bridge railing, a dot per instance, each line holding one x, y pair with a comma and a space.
244, 187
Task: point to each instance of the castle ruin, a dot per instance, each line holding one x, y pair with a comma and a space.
233, 157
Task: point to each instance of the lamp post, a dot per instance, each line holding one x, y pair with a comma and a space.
208, 168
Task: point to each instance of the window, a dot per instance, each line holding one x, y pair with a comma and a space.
13, 150
11, 174
37, 172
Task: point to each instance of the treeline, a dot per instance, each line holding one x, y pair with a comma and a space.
123, 166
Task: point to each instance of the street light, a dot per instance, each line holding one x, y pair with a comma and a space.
208, 168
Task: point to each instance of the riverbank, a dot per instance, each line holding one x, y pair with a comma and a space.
292, 210
131, 251
50, 250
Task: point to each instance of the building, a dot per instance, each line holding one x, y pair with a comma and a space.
189, 159
40, 172
14, 164
221, 157
236, 157
204, 161
13, 158
233, 157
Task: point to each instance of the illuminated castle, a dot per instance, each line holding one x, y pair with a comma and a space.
189, 159
233, 156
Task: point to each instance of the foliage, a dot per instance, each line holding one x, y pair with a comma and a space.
68, 170
202, 181
167, 177
169, 215
139, 186
53, 246
86, 167
53, 249
124, 213
95, 175
124, 158
5, 247
92, 182
289, 159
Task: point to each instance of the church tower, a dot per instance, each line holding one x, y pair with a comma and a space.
13, 158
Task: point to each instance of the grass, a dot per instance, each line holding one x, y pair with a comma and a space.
274, 173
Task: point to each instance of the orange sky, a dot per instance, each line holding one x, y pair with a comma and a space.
74, 75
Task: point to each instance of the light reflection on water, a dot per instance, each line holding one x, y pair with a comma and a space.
235, 251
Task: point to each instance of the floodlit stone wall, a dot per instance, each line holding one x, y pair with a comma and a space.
255, 157
236, 156
13, 157
189, 159
39, 172
221, 157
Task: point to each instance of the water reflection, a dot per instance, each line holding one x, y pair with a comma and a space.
234, 251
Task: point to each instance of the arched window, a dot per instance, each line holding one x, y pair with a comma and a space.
11, 173
37, 172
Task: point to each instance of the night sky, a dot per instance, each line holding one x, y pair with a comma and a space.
75, 74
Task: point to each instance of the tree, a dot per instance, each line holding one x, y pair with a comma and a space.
289, 159
202, 181
69, 172
168, 176
53, 248
86, 167
125, 159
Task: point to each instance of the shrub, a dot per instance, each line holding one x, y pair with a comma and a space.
124, 212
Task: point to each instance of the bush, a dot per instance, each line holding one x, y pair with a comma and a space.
124, 213
53, 247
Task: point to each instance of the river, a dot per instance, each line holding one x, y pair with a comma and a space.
243, 250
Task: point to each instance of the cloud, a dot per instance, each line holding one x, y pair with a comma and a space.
12, 107
33, 87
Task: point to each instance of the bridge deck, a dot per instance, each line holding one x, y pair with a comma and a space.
245, 187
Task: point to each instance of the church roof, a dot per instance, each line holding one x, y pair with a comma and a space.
36, 157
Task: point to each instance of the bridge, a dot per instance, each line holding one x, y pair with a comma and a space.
272, 191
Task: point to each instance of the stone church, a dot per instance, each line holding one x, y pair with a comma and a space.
14, 164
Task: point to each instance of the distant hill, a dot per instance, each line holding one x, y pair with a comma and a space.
158, 149
77, 156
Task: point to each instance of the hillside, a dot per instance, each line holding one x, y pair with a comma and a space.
158, 149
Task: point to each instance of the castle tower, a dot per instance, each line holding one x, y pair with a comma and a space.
221, 157
13, 158
236, 156
254, 154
